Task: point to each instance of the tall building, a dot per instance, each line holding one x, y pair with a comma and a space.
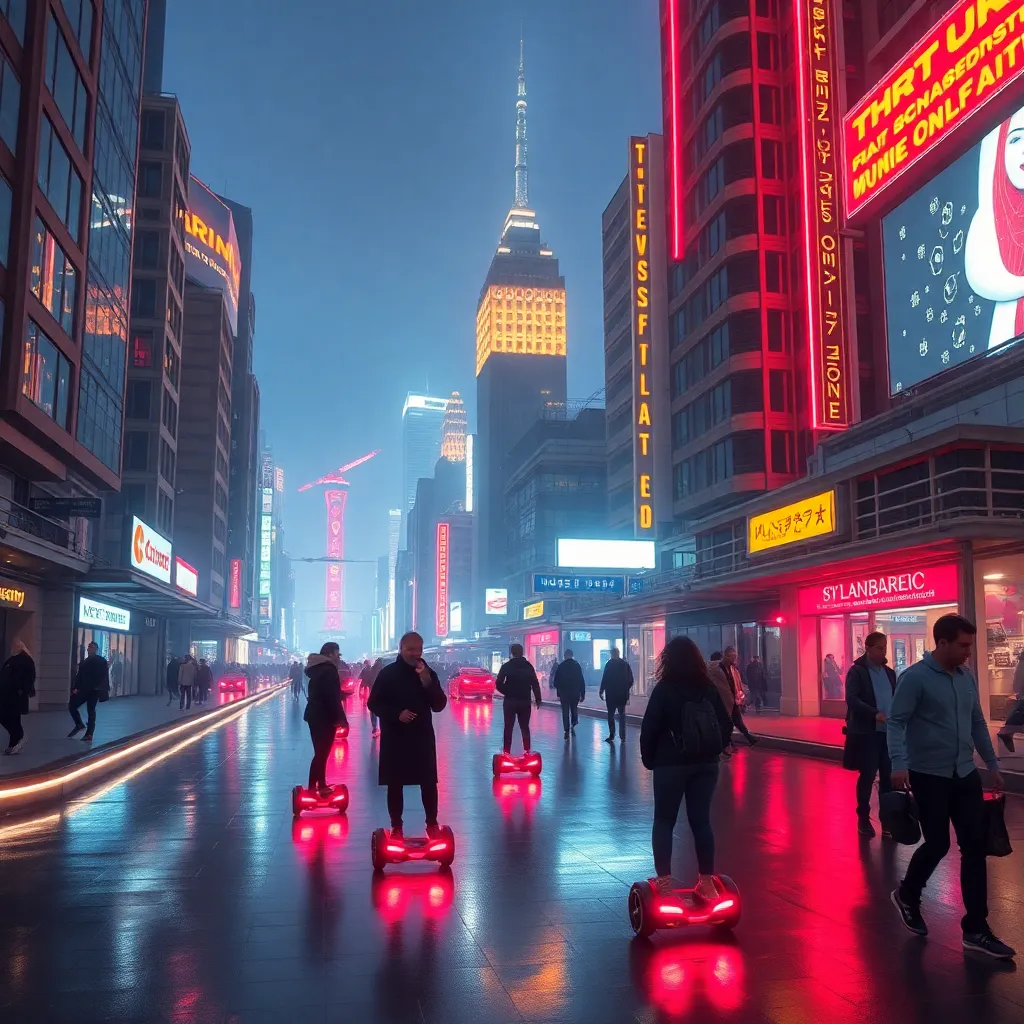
394, 535
520, 355
422, 423
453, 430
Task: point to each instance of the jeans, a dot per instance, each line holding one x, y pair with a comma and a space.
737, 721
874, 761
695, 782
621, 709
1015, 719
396, 803
570, 716
939, 802
77, 700
516, 709
186, 698
323, 739
10, 719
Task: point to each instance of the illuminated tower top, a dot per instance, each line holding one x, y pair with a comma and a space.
522, 149
453, 430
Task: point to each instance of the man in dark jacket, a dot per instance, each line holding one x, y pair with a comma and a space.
17, 685
516, 682
870, 684
171, 679
324, 712
758, 683
616, 683
204, 681
92, 684
571, 688
407, 692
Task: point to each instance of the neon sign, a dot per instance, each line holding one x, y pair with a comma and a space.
802, 520
442, 608
817, 108
235, 587
674, 131
901, 589
336, 501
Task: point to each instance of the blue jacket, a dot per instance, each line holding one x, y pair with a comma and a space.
937, 723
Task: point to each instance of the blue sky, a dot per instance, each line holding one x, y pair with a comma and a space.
374, 142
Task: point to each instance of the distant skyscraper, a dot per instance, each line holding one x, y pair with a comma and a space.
453, 430
422, 419
394, 534
520, 355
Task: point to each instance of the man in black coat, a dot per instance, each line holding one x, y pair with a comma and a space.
616, 683
172, 679
571, 688
324, 712
17, 685
870, 684
92, 684
404, 696
517, 682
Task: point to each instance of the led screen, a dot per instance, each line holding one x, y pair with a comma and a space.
606, 554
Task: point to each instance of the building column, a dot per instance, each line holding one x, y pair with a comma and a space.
54, 657
800, 677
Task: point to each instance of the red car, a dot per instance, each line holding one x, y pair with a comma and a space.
471, 683
349, 686
233, 683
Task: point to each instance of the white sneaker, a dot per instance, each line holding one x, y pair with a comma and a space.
16, 749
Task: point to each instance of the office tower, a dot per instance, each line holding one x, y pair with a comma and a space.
422, 421
453, 430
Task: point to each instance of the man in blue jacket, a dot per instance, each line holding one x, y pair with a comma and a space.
935, 726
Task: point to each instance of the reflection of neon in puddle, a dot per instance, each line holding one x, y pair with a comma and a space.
679, 976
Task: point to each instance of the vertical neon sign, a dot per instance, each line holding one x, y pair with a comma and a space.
335, 549
441, 594
674, 131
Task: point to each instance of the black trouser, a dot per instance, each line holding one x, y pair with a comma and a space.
737, 721
186, 698
570, 716
10, 719
77, 700
695, 782
620, 707
516, 709
874, 761
396, 803
323, 739
962, 802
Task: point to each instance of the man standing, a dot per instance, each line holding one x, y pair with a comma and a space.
758, 683
172, 678
869, 688
934, 728
204, 681
92, 683
516, 682
187, 675
616, 683
571, 688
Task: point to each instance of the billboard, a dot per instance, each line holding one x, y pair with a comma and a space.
441, 593
211, 247
801, 520
544, 583
235, 585
150, 553
336, 501
606, 554
533, 611
496, 601
186, 577
904, 588
105, 616
954, 261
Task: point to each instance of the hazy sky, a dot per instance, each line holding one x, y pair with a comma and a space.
375, 142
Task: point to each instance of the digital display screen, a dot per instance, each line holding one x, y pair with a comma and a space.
211, 247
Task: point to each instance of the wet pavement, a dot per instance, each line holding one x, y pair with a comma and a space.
187, 894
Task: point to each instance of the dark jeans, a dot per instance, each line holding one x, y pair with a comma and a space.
620, 708
962, 802
695, 782
10, 719
737, 721
323, 739
570, 716
1015, 720
186, 698
396, 803
516, 709
874, 761
77, 700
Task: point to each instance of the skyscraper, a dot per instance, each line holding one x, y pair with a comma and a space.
453, 430
394, 534
520, 353
422, 420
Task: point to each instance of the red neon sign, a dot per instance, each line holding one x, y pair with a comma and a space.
335, 549
541, 639
235, 586
674, 133
441, 615
905, 588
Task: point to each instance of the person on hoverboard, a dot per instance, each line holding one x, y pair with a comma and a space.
407, 692
516, 682
324, 713
684, 731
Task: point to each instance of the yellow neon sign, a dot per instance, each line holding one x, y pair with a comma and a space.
643, 456
533, 611
802, 520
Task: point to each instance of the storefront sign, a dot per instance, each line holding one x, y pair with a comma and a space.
959, 66
279, 480
545, 583
802, 520
817, 96
541, 639
496, 599
185, 577
150, 553
103, 616
441, 593
904, 589
235, 586
11, 596
533, 611
455, 616
580, 637
68, 508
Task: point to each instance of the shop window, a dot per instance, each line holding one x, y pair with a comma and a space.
1004, 630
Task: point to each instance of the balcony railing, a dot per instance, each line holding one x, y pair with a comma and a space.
17, 517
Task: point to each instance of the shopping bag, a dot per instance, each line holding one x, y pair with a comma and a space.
997, 839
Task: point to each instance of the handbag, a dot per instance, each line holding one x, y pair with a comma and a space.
997, 839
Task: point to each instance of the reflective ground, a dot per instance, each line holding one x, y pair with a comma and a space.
186, 894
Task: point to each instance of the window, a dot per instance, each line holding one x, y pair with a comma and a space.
767, 51
65, 83
769, 104
774, 218
222, 465
771, 159
780, 389
169, 416
167, 461
99, 419
10, 103
46, 375
136, 451
144, 298
80, 14
151, 179
6, 199
133, 500
775, 272
146, 252
224, 434
14, 12
173, 314
172, 363
220, 497
748, 451
142, 350
747, 391
164, 513
154, 129
783, 455
53, 278
220, 530
139, 395
59, 181
778, 331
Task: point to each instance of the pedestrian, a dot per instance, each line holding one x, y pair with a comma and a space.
935, 727
17, 685
204, 681
172, 678
571, 688
405, 697
683, 734
832, 678
517, 682
91, 685
324, 713
187, 675
758, 683
616, 682
296, 676
870, 684
725, 692
1015, 719
730, 657
374, 672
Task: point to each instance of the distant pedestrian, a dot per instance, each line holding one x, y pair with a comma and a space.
171, 680
732, 672
1015, 719
517, 683
92, 684
375, 670
758, 683
616, 683
187, 675
571, 688
296, 677
17, 685
204, 681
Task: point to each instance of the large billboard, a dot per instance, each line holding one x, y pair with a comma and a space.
212, 258
606, 554
954, 261
150, 553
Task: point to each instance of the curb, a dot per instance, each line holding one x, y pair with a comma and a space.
58, 782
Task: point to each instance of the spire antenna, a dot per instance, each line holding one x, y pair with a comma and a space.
522, 149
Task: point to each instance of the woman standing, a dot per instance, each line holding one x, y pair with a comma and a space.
684, 731
17, 685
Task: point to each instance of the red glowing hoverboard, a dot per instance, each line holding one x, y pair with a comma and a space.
651, 909
341, 733
308, 800
507, 764
387, 849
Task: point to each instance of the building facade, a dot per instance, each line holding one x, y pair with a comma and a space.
422, 425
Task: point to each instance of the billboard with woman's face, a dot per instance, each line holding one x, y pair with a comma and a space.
954, 261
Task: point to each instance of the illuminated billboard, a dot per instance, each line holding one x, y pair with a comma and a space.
186, 577
954, 261
521, 321
266, 556
150, 553
606, 554
496, 600
212, 258
441, 593
801, 520
235, 586
675, 128
533, 611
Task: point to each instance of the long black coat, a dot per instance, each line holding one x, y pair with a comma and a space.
408, 751
17, 683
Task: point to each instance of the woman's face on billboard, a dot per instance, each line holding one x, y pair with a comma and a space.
1013, 155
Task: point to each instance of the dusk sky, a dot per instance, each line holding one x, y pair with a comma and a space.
375, 145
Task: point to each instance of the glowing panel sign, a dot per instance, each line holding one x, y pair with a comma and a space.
469, 472
957, 68
441, 593
496, 600
186, 577
606, 554
901, 589
211, 246
533, 611
150, 553
335, 549
235, 584
106, 616
672, 105
802, 520
279, 479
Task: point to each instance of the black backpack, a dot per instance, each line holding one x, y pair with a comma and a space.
699, 735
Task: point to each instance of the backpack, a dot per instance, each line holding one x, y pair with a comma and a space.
699, 737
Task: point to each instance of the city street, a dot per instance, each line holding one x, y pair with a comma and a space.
187, 894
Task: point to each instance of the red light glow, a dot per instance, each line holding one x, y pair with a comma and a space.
395, 848
441, 613
677, 238
669, 908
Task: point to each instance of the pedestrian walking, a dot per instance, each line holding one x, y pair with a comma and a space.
17, 685
187, 675
616, 682
571, 688
730, 657
171, 678
91, 685
204, 681
758, 683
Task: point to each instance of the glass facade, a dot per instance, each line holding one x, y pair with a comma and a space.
65, 83
53, 278
10, 103
45, 375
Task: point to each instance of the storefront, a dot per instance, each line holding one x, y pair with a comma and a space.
542, 651
115, 631
999, 588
